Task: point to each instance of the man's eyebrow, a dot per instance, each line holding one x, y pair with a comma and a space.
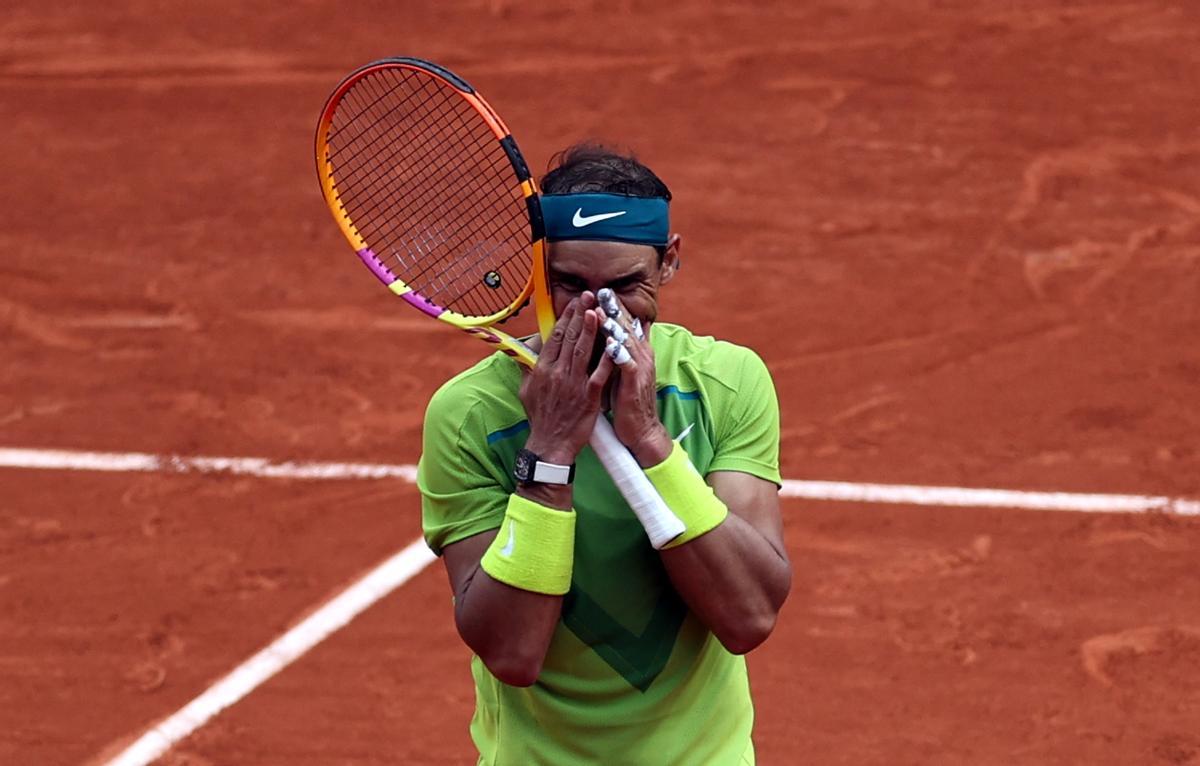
622, 279
628, 279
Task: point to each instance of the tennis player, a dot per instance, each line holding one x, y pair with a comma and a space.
592, 647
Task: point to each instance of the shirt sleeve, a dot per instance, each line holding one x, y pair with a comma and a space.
748, 423
463, 491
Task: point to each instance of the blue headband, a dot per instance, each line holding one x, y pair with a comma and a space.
606, 218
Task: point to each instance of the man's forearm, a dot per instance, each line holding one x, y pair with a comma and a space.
731, 575
509, 628
734, 580
508, 617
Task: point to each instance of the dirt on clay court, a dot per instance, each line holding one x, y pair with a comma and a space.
964, 235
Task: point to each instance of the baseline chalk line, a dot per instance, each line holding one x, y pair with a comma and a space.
905, 494
899, 494
75, 460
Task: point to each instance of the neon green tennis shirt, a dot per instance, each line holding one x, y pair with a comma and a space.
631, 676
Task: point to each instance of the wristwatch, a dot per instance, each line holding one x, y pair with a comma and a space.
530, 468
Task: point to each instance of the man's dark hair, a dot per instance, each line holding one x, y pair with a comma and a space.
595, 168
592, 167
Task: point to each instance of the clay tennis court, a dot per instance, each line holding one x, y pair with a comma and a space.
965, 236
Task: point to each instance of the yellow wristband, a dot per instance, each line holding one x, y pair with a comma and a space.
535, 549
685, 493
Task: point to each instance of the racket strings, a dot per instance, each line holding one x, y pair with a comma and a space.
499, 165
372, 168
375, 165
424, 244
368, 130
427, 185
372, 180
424, 209
442, 281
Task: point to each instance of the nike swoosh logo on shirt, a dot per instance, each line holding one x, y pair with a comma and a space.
684, 432
507, 550
580, 220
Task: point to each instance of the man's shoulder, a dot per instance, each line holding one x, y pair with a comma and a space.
492, 380
677, 348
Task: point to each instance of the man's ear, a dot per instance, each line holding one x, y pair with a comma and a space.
670, 262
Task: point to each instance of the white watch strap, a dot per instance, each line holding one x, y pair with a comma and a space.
549, 473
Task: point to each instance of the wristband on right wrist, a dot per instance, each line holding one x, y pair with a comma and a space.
535, 548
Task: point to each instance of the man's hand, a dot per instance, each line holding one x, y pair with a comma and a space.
561, 397
633, 395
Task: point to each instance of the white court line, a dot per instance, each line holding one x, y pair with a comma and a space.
904, 494
900, 494
331, 617
250, 466
404, 565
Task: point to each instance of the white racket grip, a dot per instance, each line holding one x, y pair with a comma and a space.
661, 524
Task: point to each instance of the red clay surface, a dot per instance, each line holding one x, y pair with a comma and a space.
964, 235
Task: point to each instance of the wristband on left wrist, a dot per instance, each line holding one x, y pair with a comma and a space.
688, 496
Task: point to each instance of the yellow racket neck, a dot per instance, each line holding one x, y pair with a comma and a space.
543, 305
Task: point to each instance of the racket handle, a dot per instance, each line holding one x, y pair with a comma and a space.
661, 524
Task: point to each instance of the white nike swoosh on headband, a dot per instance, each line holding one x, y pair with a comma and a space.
580, 220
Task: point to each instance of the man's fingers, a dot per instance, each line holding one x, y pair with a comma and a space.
615, 330
621, 345
608, 302
553, 345
570, 343
617, 352
600, 375
620, 320
581, 354
612, 307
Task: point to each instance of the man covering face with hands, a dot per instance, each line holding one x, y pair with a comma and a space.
591, 646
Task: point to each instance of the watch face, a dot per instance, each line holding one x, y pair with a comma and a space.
524, 466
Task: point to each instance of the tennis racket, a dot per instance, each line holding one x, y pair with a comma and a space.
428, 186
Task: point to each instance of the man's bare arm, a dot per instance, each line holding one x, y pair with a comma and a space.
509, 628
736, 577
